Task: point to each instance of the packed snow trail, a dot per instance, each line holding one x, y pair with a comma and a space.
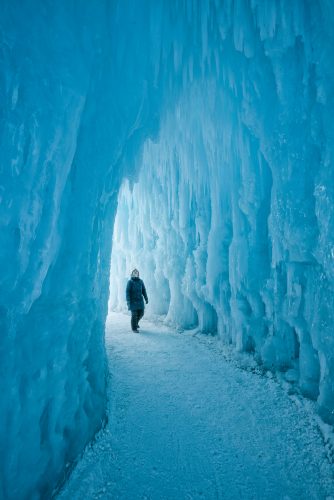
185, 424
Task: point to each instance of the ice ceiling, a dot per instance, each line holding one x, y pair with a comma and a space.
220, 115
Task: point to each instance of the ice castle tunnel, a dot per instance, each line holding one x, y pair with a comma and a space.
207, 126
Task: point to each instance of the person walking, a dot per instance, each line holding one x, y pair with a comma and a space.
135, 291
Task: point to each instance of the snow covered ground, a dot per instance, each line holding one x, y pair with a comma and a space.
184, 423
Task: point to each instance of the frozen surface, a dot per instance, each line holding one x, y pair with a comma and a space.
66, 121
185, 423
223, 113
231, 220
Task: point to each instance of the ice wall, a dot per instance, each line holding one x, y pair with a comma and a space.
74, 86
231, 219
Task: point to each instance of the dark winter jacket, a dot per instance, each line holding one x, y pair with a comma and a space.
135, 291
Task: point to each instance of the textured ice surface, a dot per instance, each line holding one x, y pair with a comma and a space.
231, 220
226, 107
70, 107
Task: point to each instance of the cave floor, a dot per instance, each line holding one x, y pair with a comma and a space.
185, 423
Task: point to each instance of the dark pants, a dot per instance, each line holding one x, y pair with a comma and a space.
136, 316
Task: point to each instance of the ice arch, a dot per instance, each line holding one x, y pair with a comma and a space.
223, 108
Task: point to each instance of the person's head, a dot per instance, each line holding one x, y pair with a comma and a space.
135, 273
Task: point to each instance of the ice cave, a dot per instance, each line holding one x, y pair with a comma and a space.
190, 138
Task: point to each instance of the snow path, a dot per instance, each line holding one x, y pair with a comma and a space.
186, 424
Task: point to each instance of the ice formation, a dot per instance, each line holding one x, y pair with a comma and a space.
220, 115
231, 216
71, 108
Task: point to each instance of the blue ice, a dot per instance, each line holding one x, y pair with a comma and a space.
204, 132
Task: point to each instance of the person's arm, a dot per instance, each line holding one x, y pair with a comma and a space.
143, 290
128, 291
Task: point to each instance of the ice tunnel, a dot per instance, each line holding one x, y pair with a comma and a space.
207, 126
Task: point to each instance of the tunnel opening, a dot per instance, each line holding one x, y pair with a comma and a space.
139, 242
